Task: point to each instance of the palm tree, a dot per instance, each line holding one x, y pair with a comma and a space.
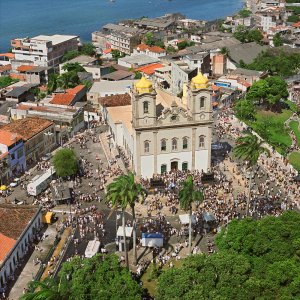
188, 195
124, 191
134, 192
249, 148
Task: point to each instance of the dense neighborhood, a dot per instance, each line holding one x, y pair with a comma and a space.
140, 165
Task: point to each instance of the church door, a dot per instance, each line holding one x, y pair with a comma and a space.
174, 165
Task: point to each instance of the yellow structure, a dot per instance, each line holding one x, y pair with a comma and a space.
48, 217
144, 86
200, 82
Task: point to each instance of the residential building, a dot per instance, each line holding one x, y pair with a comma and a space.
21, 93
218, 62
68, 120
149, 70
108, 88
13, 144
163, 74
44, 50
18, 228
118, 75
181, 74
4, 168
159, 24
136, 61
82, 60
201, 61
152, 51
37, 134
122, 38
30, 73
159, 133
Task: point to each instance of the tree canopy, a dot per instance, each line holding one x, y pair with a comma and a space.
65, 162
6, 81
184, 44
257, 259
245, 109
87, 49
99, 277
245, 35
277, 61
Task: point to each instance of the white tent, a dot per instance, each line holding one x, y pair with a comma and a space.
184, 219
128, 231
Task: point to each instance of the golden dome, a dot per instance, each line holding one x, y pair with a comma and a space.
200, 81
143, 86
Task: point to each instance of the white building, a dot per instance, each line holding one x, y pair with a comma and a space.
19, 225
44, 50
152, 51
160, 133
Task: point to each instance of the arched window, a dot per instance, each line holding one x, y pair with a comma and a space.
202, 102
184, 166
146, 147
146, 107
163, 145
185, 143
174, 144
201, 141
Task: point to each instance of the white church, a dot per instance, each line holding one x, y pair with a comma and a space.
160, 132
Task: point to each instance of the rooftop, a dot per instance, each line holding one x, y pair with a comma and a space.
118, 75
20, 90
67, 97
14, 219
144, 47
55, 39
139, 60
8, 138
6, 244
27, 127
241, 71
115, 100
121, 114
161, 23
111, 87
82, 59
150, 69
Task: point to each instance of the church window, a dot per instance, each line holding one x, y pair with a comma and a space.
146, 107
173, 117
184, 166
184, 143
163, 145
163, 169
146, 147
202, 102
174, 144
201, 141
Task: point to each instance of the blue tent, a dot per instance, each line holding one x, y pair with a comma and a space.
208, 217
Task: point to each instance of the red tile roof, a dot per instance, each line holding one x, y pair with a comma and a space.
27, 127
150, 69
144, 47
5, 68
67, 97
6, 244
8, 138
296, 25
8, 55
24, 68
106, 51
115, 100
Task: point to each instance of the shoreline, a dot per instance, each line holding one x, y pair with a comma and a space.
94, 25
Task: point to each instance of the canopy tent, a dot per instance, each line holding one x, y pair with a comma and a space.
128, 231
3, 188
152, 240
184, 219
47, 218
208, 217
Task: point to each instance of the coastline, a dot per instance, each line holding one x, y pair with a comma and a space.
92, 18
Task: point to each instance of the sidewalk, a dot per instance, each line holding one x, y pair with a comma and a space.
30, 268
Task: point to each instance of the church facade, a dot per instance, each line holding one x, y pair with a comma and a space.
167, 134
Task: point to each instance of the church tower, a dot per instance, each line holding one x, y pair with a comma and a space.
199, 100
143, 104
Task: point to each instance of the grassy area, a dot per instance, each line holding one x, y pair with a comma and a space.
294, 125
270, 126
150, 280
294, 159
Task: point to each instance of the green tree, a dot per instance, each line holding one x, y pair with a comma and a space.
6, 81
117, 196
88, 49
241, 33
116, 54
258, 91
52, 83
65, 162
171, 49
70, 55
68, 80
73, 67
255, 35
245, 109
149, 39
187, 196
138, 75
277, 40
249, 148
134, 192
244, 13
184, 44
45, 290
224, 51
293, 19
159, 43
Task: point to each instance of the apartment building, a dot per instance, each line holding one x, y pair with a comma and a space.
44, 50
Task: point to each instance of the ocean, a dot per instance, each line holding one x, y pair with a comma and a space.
21, 18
